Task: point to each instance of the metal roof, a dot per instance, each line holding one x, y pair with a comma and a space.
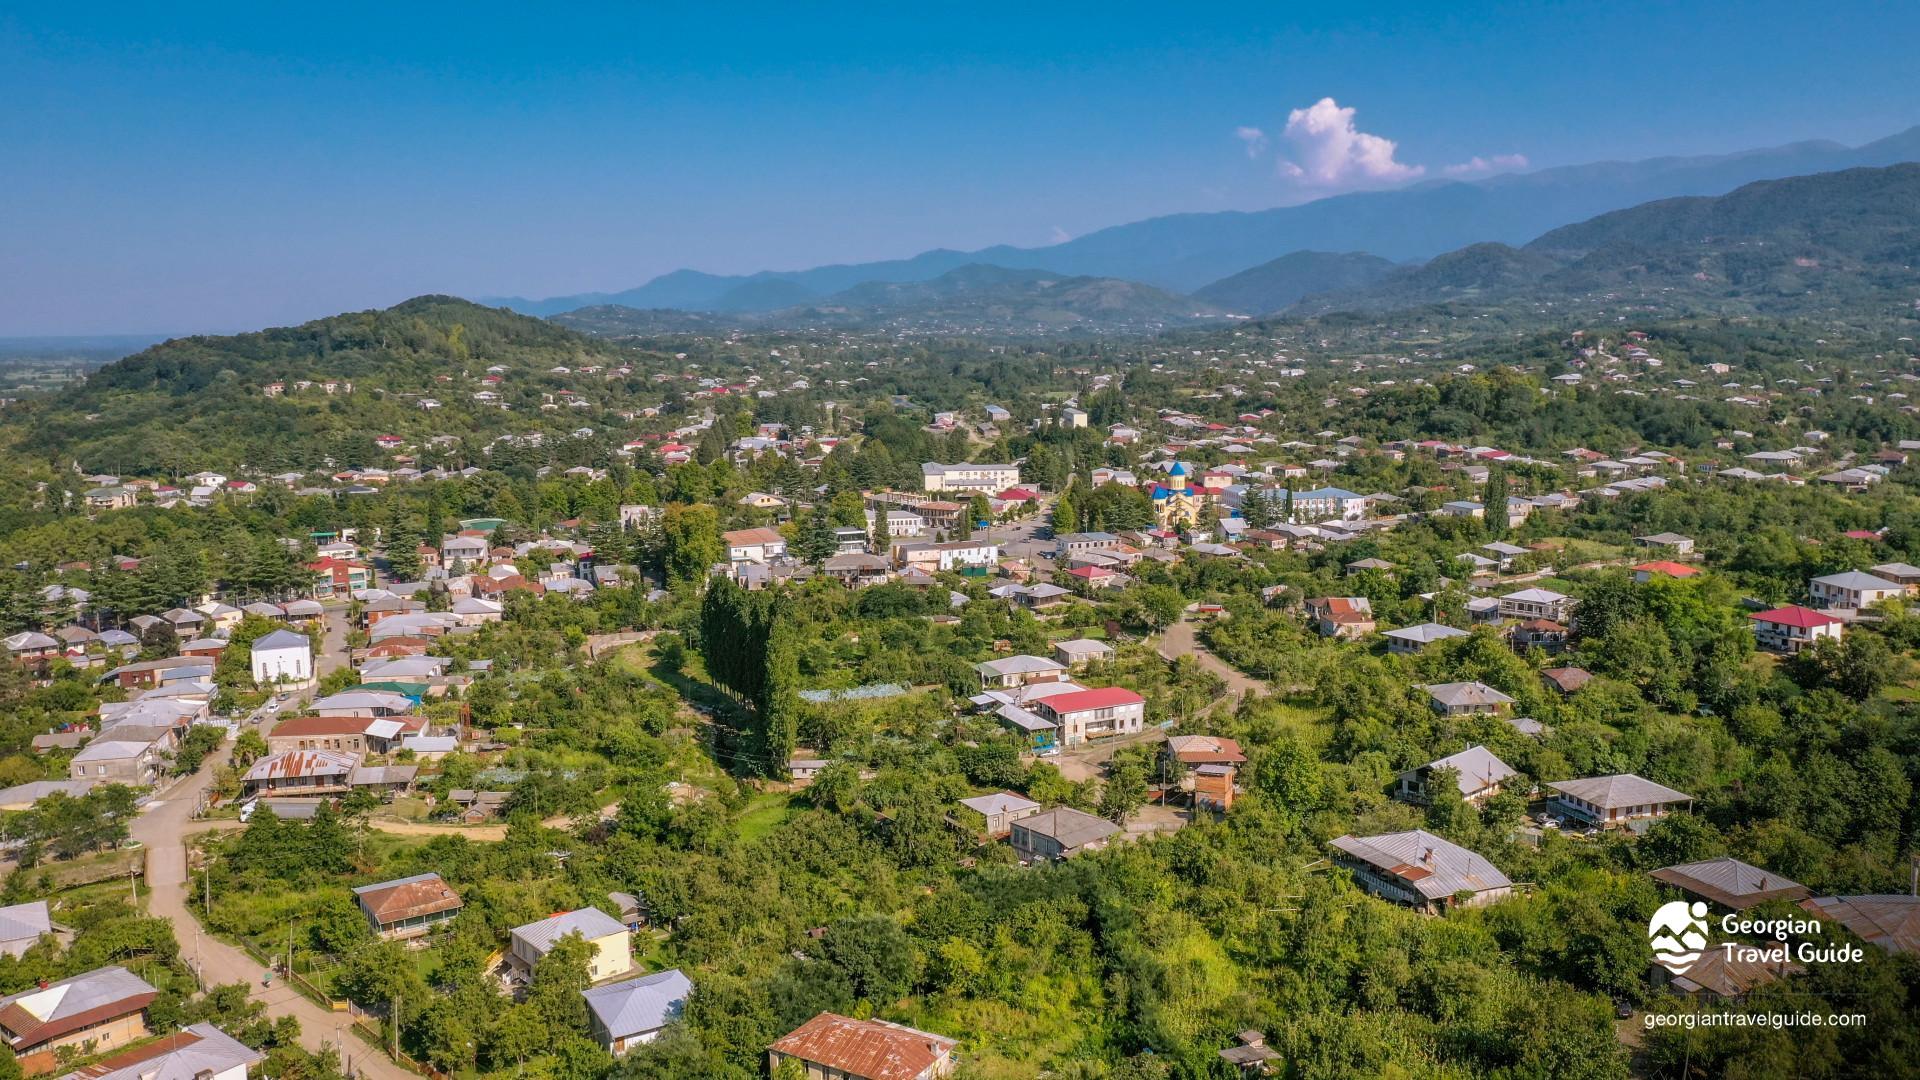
1425, 863
640, 1005
1625, 789
198, 1051
589, 923
1729, 882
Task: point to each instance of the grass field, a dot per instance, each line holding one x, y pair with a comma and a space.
764, 813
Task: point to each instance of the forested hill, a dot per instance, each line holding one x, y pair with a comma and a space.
973, 299
1843, 242
1287, 279
202, 402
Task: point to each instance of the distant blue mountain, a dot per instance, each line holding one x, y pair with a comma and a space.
1182, 252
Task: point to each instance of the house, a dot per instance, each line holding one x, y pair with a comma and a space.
1504, 553
1905, 573
964, 556
1018, 670
935, 477
1412, 639
467, 548
1891, 922
1252, 1056
834, 1047
1467, 699
1077, 653
1670, 542
22, 796
22, 925
1060, 833
114, 497
103, 1009
407, 907
609, 937
1194, 750
351, 734
1478, 773
282, 658
197, 1052
1567, 680
1094, 714
363, 703
1420, 870
1537, 604
1647, 571
1787, 630
1000, 811
761, 500
1853, 589
1544, 634
1730, 883
109, 759
1068, 545
1610, 801
625, 1014
301, 772
1346, 617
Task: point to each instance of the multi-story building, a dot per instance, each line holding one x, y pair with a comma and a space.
968, 478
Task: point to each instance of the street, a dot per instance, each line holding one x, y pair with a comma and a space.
164, 827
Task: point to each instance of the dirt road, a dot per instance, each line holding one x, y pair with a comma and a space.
1181, 639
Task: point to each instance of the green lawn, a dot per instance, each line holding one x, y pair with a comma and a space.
764, 813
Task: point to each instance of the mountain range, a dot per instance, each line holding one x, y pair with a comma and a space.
1827, 242
1843, 242
1184, 253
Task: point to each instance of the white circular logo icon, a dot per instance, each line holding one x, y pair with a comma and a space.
1678, 934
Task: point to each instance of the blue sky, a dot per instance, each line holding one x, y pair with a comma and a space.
231, 167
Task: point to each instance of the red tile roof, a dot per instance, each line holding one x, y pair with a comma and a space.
1794, 615
1671, 569
1107, 697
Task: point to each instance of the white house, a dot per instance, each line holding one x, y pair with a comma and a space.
282, 658
1537, 604
1094, 714
1853, 589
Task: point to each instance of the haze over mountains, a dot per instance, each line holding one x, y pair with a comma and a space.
1191, 253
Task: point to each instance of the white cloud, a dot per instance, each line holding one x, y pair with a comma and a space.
1254, 138
1059, 235
1482, 166
1326, 150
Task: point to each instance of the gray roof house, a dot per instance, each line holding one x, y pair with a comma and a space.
1410, 639
198, 1052
1622, 800
1466, 698
1730, 883
1478, 773
23, 924
1420, 869
625, 1014
1060, 833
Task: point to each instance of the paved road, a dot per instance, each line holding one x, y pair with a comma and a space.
165, 825
164, 828
334, 654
